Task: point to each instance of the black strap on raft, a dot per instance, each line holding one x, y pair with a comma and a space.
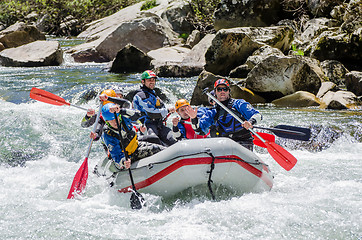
212, 166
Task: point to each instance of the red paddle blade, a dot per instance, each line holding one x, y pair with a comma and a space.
47, 97
80, 180
281, 156
265, 136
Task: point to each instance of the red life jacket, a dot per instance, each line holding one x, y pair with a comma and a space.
190, 132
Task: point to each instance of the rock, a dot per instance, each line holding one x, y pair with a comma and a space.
325, 87
69, 26
1, 47
298, 99
352, 18
257, 57
182, 62
231, 47
343, 47
314, 27
251, 13
35, 54
340, 100
335, 71
354, 82
194, 38
276, 76
130, 59
108, 35
322, 8
20, 34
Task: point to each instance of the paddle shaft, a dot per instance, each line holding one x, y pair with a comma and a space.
94, 128
282, 130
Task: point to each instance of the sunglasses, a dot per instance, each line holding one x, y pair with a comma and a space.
225, 89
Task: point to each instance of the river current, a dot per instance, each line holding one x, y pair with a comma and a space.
42, 146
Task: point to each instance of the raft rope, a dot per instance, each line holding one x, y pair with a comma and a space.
212, 166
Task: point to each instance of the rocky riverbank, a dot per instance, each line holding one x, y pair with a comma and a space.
314, 59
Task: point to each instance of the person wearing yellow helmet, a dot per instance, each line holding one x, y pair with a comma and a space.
182, 128
153, 108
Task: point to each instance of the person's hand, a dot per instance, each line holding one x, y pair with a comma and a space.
143, 129
127, 163
247, 125
114, 109
191, 112
175, 121
91, 112
93, 135
171, 110
103, 97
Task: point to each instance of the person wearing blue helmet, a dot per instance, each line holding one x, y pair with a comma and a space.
226, 125
136, 149
155, 111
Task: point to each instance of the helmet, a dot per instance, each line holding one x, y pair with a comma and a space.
180, 103
106, 114
109, 93
220, 82
148, 74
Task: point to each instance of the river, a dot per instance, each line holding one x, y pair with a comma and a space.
42, 147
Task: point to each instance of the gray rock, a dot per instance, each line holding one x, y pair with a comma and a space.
335, 71
35, 54
322, 8
276, 76
340, 100
298, 99
326, 87
354, 82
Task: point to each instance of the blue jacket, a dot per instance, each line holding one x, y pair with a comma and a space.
226, 124
146, 101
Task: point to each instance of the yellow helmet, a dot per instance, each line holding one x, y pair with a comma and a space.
180, 103
109, 93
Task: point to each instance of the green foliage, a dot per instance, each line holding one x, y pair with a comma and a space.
184, 36
297, 51
204, 10
148, 5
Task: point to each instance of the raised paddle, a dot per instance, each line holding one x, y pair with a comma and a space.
280, 155
80, 178
265, 136
137, 200
47, 97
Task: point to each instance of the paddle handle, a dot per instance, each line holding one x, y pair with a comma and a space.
94, 128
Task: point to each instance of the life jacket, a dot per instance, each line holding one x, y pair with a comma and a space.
149, 96
227, 125
189, 131
129, 136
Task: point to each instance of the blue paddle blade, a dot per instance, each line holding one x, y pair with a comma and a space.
292, 132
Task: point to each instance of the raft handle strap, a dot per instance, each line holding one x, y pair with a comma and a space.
212, 166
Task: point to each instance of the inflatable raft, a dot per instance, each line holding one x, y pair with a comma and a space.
209, 162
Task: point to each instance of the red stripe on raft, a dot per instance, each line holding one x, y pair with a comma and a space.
197, 161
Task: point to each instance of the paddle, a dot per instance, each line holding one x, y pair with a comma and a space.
265, 136
137, 199
47, 97
291, 132
80, 178
280, 155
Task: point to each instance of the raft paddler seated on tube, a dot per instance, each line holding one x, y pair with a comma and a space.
182, 128
226, 125
136, 149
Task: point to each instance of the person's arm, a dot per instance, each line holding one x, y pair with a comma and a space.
202, 124
89, 119
132, 114
249, 113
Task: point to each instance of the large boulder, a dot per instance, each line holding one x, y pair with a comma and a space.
231, 47
322, 8
130, 59
352, 17
35, 54
326, 87
253, 13
277, 76
20, 34
354, 82
156, 26
335, 71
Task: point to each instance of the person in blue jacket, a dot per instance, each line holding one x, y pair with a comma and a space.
155, 112
226, 125
135, 149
